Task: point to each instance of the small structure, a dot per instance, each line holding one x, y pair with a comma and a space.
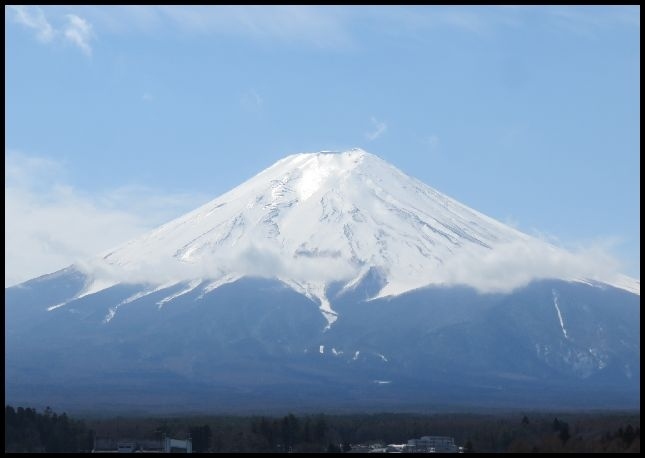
166, 445
396, 448
432, 444
170, 444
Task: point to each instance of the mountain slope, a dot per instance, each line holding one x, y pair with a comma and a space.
312, 219
327, 280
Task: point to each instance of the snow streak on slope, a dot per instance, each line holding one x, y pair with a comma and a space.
223, 280
112, 310
557, 309
313, 219
191, 286
93, 285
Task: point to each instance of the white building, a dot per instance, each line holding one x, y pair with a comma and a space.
430, 444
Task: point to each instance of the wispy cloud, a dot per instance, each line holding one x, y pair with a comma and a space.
476, 20
75, 30
322, 27
50, 224
379, 129
79, 32
34, 18
580, 20
318, 26
515, 264
588, 20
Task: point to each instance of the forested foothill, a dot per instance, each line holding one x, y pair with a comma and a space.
28, 430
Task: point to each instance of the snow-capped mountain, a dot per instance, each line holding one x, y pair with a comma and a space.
338, 271
313, 219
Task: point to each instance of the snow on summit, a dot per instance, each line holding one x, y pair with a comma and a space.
315, 218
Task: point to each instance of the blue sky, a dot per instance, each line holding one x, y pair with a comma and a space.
120, 118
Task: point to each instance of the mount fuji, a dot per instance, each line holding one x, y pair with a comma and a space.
328, 280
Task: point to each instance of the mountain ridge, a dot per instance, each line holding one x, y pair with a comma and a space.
333, 280
311, 219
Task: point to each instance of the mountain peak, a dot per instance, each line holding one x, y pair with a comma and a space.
348, 233
352, 151
345, 160
340, 157
312, 219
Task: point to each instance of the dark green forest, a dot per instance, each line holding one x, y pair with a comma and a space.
26, 430
29, 430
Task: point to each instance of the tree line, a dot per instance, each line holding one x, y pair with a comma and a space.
31, 431
27, 430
